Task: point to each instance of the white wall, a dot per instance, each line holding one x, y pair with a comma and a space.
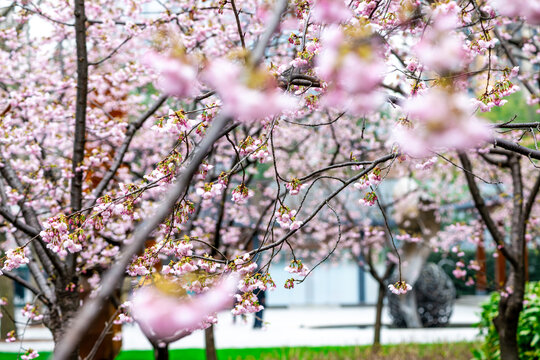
329, 284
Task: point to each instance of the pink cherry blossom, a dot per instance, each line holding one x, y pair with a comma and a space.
177, 78
166, 318
352, 76
441, 49
529, 9
400, 288
30, 354
31, 312
242, 97
330, 12
297, 267
459, 273
10, 336
439, 120
15, 258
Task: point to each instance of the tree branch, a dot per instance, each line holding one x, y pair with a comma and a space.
323, 203
12, 219
482, 208
28, 285
531, 200
518, 222
516, 148
80, 110
119, 156
114, 275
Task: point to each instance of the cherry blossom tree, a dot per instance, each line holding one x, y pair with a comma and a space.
156, 140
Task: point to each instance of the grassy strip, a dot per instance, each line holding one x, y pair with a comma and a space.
455, 351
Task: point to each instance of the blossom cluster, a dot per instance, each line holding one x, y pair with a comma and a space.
348, 62
295, 186
373, 179
369, 199
241, 194
176, 123
400, 288
15, 258
297, 267
246, 303
286, 218
494, 95
256, 149
31, 312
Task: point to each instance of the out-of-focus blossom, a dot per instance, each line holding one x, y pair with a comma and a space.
165, 318
441, 48
10, 336
330, 12
528, 9
177, 76
246, 94
350, 63
459, 273
31, 312
439, 120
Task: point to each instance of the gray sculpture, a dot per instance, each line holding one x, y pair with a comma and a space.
433, 295
431, 300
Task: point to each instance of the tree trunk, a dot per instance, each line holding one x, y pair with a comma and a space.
211, 353
161, 352
506, 321
378, 316
60, 317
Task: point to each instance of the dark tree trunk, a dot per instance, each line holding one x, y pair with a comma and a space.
507, 320
60, 318
161, 352
514, 251
210, 345
378, 316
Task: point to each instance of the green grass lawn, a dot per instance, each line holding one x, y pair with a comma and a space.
454, 351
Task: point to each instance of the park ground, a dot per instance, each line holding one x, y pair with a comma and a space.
329, 333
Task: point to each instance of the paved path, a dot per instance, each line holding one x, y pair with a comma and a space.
296, 326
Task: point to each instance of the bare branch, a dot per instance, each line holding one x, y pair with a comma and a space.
238, 25
531, 200
27, 285
80, 110
482, 208
119, 156
522, 150
324, 202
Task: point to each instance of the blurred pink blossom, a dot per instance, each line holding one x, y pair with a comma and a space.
165, 318
440, 120
177, 77
330, 12
441, 49
529, 9
243, 100
352, 79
